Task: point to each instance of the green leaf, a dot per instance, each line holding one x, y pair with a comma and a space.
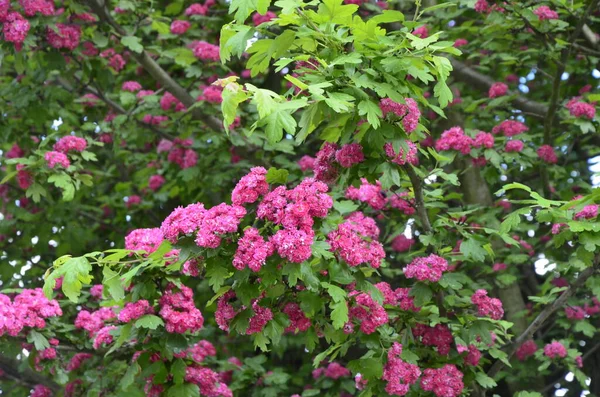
263, 6
528, 394
242, 9
339, 102
345, 206
216, 273
100, 40
133, 43
112, 282
232, 96
422, 294
184, 390
277, 122
336, 293
585, 327
334, 11
473, 249
178, 371
129, 377
160, 27
339, 314
322, 249
149, 321
75, 273
388, 16
370, 368
485, 381
36, 192
39, 341
372, 111
277, 176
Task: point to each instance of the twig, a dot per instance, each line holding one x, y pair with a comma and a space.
417, 184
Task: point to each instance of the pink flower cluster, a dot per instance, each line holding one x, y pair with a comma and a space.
399, 297
497, 90
399, 375
402, 158
443, 382
349, 155
180, 27
426, 268
32, 7
580, 109
332, 371
588, 212
306, 163
56, 158
206, 51
258, 19
30, 308
77, 360
250, 187
367, 312
514, 146
168, 100
544, 13
401, 243
196, 9
103, 337
456, 139
182, 221
491, 307
355, 240
510, 128
575, 313
215, 222
473, 354
298, 320
70, 143
180, 152
409, 112
207, 381
179, 312
226, 312
252, 251
131, 86
15, 28
41, 391
93, 322
547, 154
212, 94
68, 36
144, 239
402, 202
324, 164
555, 349
368, 193
260, 318
198, 351
438, 336
155, 182
527, 349
134, 310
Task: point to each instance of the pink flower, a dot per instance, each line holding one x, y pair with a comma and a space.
544, 12
335, 371
460, 43
179, 312
144, 239
180, 27
298, 320
575, 313
196, 9
68, 36
402, 202
355, 240
443, 382
368, 193
134, 310
473, 356
41, 391
155, 182
217, 221
250, 187
527, 349
206, 52
401, 158
547, 154
225, 312
401, 243
131, 86
409, 112
484, 139
513, 146
367, 312
306, 163
103, 337
293, 245
491, 307
15, 28
212, 94
324, 163
260, 318
349, 155
77, 360
555, 349
426, 268
421, 32
258, 19
54, 158
31, 7
455, 139
581, 109
497, 90
182, 221
498, 267
510, 128
252, 251
588, 212
482, 6
116, 62
208, 381
70, 143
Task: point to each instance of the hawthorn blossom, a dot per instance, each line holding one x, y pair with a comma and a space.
298, 320
179, 312
545, 13
206, 52
409, 112
252, 251
514, 146
547, 154
306, 163
491, 307
68, 36
510, 128
180, 27
70, 143
555, 349
144, 239
155, 182
401, 158
349, 155
131, 86
497, 90
258, 19
443, 382
455, 139
401, 243
368, 193
581, 109
56, 158
438, 336
250, 187
134, 310
588, 212
15, 28
355, 241
426, 268
32, 7
527, 349
196, 9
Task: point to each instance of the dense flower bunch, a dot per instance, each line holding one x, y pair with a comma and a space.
439, 336
298, 320
555, 349
368, 193
402, 158
70, 143
581, 109
144, 239
486, 306
399, 375
546, 153
333, 370
409, 111
250, 187
443, 382
56, 158
179, 312
30, 308
527, 349
428, 268
252, 250
355, 240
207, 381
545, 13
498, 90
367, 312
510, 128
134, 310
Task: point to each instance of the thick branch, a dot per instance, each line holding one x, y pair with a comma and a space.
152, 67
419, 200
543, 316
11, 367
482, 82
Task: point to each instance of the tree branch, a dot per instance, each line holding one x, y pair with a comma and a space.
482, 82
27, 376
152, 67
417, 184
543, 316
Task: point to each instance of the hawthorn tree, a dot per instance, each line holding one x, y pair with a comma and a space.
299, 198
